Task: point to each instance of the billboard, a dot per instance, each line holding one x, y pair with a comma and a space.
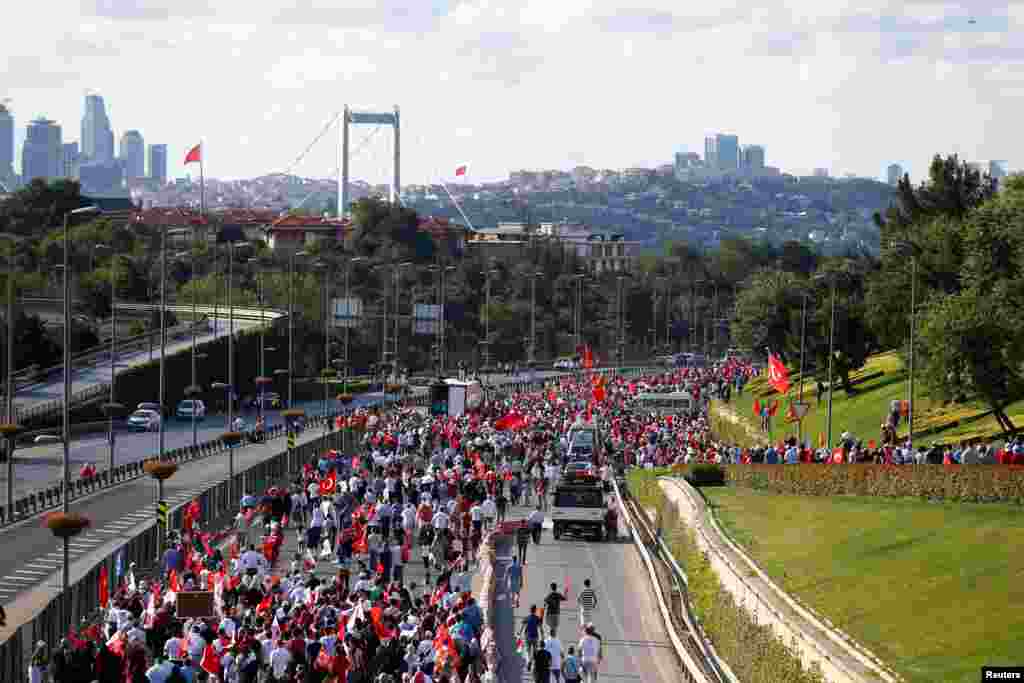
347, 312
425, 318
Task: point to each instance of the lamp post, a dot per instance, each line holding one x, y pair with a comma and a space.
9, 380
533, 315
65, 484
291, 323
263, 325
803, 337
112, 408
397, 275
911, 249
620, 279
192, 391
832, 279
578, 278
348, 316
487, 316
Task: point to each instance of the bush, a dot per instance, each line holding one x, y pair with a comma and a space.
962, 483
706, 475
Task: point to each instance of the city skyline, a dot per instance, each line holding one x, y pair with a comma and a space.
488, 82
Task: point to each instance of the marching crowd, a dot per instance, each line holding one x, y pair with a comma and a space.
377, 585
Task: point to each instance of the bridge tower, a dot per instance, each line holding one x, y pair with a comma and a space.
371, 118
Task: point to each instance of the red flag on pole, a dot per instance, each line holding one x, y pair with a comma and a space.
210, 662
194, 154
461, 170
172, 581
778, 375
757, 408
104, 587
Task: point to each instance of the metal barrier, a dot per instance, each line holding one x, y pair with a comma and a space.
50, 626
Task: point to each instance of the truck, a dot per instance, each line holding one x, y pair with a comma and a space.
454, 398
579, 509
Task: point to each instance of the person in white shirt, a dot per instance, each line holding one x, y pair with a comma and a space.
554, 647
590, 654
476, 513
250, 560
490, 510
441, 520
280, 659
174, 649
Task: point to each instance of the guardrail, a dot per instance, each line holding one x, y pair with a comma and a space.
214, 503
693, 670
49, 497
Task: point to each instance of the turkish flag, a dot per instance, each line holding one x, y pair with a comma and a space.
778, 375
328, 484
210, 662
195, 154
461, 170
104, 587
172, 580
757, 408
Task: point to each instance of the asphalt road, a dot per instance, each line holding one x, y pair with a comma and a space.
40, 466
636, 645
85, 377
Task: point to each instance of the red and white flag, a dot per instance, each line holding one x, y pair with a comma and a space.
778, 375
195, 154
461, 170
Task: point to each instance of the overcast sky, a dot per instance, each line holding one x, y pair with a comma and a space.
537, 84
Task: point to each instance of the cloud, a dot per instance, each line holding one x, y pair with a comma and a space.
390, 15
295, 72
148, 10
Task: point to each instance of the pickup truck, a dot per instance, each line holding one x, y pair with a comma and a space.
579, 509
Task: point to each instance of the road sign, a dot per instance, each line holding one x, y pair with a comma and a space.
291, 440
163, 514
801, 409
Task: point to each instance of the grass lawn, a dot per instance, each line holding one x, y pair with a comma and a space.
863, 413
936, 590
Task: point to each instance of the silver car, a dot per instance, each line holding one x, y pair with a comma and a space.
144, 421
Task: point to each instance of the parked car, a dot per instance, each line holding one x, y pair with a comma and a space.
189, 407
155, 407
144, 421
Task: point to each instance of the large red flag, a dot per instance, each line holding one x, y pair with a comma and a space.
588, 357
172, 581
210, 662
757, 408
195, 154
328, 484
461, 170
778, 375
104, 587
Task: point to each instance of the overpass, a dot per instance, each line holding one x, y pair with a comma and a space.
39, 392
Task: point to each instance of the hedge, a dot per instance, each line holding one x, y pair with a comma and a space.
752, 650
960, 483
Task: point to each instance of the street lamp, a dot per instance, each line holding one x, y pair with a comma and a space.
11, 418
442, 292
228, 389
533, 315
397, 276
348, 315
65, 488
291, 322
832, 279
914, 251
487, 315
112, 409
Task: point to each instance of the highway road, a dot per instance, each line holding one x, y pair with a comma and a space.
636, 645
40, 466
85, 377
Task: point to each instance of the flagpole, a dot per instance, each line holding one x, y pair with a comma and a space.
202, 185
461, 212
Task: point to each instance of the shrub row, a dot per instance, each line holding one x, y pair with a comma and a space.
753, 651
961, 483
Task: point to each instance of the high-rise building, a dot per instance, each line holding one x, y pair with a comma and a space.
102, 177
97, 135
133, 155
711, 152
72, 159
894, 173
6, 144
727, 152
753, 158
42, 155
158, 163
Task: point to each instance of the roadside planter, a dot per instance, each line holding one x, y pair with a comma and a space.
159, 470
231, 439
66, 524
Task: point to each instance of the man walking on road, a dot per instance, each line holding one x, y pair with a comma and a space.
553, 608
523, 541
586, 601
590, 654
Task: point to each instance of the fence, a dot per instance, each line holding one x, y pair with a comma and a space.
50, 624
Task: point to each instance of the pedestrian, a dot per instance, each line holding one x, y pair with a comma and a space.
553, 608
530, 632
541, 665
515, 580
571, 670
590, 654
523, 534
39, 665
586, 602
536, 520
554, 647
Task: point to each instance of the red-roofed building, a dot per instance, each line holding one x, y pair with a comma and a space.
293, 233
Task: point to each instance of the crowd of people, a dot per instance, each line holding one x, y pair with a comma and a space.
360, 568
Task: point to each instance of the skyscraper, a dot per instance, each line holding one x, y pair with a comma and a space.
6, 144
711, 152
894, 173
727, 152
753, 158
42, 155
72, 158
133, 155
97, 135
158, 163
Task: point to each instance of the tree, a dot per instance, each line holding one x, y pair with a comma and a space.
768, 311
852, 338
39, 206
970, 350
